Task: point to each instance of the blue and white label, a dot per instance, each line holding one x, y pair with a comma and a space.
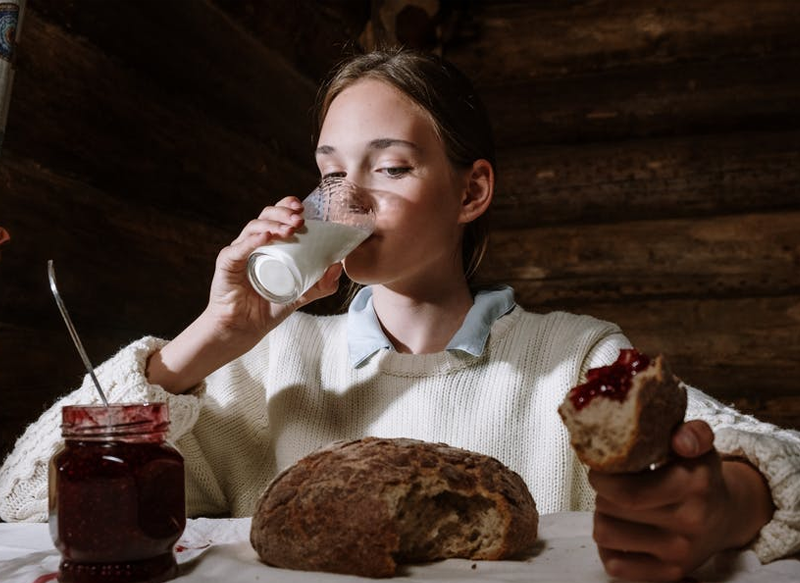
9, 17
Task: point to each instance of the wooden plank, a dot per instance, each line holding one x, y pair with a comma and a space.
513, 41
122, 265
648, 179
200, 58
732, 348
725, 256
311, 34
647, 101
84, 115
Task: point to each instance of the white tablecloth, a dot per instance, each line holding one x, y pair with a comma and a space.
214, 550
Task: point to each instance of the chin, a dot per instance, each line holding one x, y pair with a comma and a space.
360, 266
360, 277
362, 273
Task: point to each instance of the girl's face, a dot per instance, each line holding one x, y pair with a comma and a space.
378, 138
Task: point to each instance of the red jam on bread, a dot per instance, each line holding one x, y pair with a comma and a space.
622, 417
612, 381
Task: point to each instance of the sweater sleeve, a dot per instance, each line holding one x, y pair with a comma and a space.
23, 475
775, 452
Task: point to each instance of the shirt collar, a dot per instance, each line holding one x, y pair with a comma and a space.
365, 336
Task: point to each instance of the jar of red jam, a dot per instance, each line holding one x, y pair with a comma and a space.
117, 502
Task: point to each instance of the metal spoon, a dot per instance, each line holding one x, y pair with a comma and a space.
51, 273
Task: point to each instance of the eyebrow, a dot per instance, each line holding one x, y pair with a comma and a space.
377, 144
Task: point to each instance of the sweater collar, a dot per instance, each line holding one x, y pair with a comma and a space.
365, 336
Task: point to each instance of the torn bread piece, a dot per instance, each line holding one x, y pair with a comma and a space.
622, 418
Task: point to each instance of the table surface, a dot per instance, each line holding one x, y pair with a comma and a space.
213, 550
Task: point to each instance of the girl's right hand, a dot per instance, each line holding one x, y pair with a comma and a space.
236, 317
234, 306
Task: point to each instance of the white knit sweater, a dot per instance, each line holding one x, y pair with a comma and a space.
296, 391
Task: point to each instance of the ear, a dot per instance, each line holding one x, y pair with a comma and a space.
478, 192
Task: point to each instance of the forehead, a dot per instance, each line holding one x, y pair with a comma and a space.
370, 108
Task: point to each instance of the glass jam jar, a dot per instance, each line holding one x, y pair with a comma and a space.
116, 492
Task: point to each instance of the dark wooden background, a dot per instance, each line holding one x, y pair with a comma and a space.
649, 162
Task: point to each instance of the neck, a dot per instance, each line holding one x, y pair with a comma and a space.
422, 323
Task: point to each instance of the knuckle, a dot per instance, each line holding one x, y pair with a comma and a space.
636, 500
601, 505
702, 482
222, 255
677, 550
615, 566
690, 519
673, 572
601, 533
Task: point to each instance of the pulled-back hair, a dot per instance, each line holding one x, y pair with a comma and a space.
447, 96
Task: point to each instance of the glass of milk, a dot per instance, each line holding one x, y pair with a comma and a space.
338, 218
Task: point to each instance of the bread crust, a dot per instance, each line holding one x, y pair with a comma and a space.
659, 400
340, 508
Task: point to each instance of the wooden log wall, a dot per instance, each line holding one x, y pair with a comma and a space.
648, 162
649, 167
143, 136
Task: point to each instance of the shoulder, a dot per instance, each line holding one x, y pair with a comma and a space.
555, 338
559, 324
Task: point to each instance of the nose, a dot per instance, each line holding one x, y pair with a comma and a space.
362, 199
349, 197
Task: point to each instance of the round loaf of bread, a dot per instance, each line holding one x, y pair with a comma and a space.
622, 418
363, 507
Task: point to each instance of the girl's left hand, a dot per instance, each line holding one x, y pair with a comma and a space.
661, 525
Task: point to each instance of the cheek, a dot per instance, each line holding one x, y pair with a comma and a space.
438, 204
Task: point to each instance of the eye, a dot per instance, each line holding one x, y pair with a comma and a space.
396, 171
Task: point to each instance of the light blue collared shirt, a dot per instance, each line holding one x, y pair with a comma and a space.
365, 336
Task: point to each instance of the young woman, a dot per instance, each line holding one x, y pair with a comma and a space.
253, 386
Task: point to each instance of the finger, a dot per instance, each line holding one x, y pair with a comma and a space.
234, 256
693, 439
290, 205
647, 490
332, 275
638, 566
658, 515
632, 536
274, 228
327, 285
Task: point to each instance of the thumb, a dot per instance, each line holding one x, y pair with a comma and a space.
693, 439
326, 286
330, 280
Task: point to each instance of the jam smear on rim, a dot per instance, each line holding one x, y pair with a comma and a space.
612, 381
117, 495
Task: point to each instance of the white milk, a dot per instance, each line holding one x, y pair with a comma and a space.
285, 269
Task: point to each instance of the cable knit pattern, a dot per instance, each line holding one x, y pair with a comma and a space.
296, 391
23, 476
776, 454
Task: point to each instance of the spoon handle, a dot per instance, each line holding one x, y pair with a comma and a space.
51, 273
